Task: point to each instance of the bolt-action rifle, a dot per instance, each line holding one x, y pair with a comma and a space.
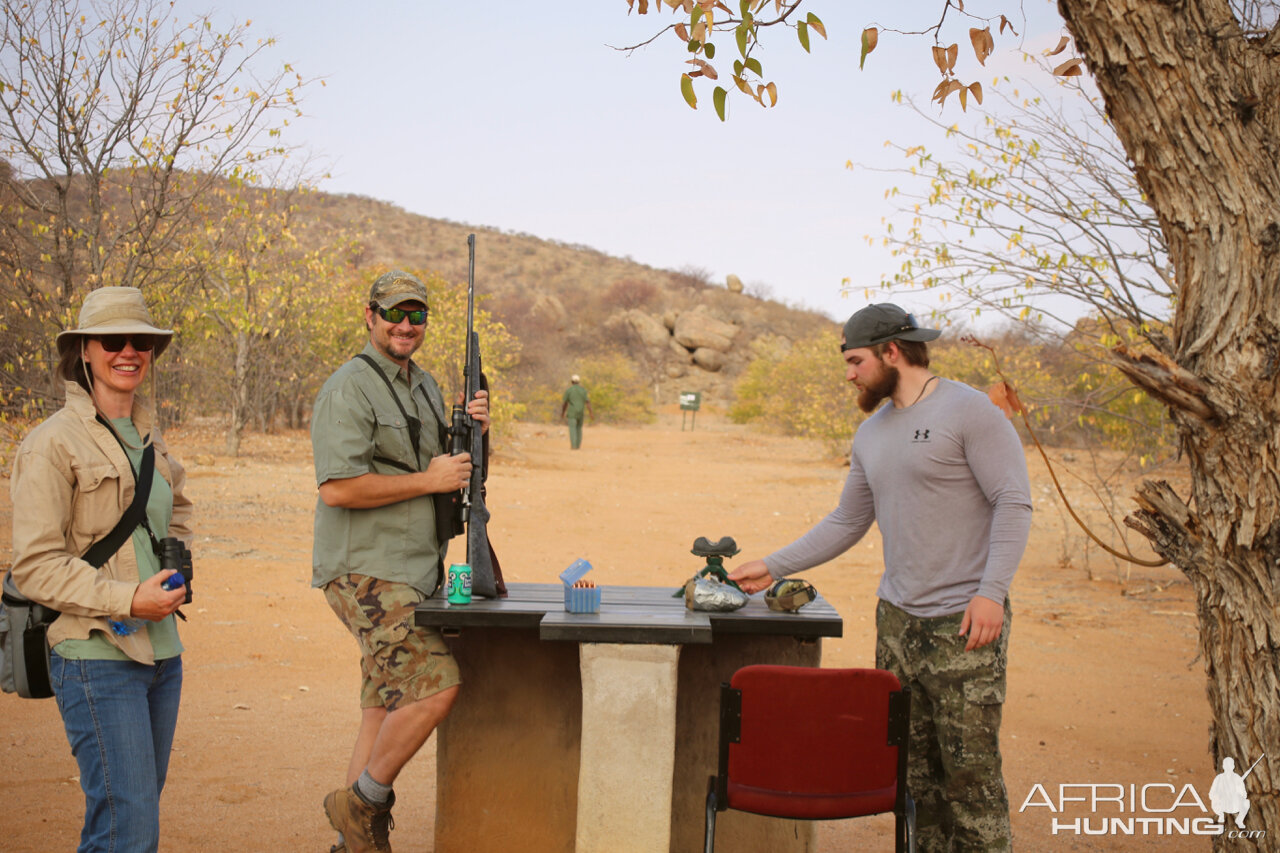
467, 436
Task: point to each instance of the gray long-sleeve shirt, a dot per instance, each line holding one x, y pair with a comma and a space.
946, 481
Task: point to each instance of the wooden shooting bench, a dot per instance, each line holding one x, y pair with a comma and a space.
596, 732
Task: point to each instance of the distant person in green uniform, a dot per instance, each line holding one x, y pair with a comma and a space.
575, 401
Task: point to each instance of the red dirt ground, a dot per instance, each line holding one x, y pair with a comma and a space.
1104, 682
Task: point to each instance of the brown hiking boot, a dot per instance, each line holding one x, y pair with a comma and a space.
364, 826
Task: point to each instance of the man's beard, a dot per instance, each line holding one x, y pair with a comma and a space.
874, 394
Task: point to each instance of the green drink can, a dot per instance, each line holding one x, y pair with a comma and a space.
459, 583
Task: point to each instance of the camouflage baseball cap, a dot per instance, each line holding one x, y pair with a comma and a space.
881, 322
395, 287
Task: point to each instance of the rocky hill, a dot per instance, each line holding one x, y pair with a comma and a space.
568, 303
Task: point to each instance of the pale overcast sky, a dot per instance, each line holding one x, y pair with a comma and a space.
521, 116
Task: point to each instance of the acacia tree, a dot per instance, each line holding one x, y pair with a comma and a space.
1192, 90
1040, 203
115, 120
1031, 215
263, 297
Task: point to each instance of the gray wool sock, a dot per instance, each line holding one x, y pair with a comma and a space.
372, 790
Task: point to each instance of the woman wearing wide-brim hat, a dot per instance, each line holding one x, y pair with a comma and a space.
115, 665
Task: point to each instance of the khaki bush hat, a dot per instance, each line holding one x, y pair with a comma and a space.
395, 287
114, 311
881, 322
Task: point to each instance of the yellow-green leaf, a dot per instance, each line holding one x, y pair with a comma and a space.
686, 89
802, 30
816, 25
718, 98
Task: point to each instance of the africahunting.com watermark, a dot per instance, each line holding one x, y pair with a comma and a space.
1158, 808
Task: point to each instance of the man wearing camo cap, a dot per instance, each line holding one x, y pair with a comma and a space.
378, 432
942, 473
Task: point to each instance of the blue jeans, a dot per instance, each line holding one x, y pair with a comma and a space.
120, 717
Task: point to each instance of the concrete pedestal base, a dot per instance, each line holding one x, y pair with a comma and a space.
628, 747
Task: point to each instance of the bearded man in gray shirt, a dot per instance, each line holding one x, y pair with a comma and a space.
942, 472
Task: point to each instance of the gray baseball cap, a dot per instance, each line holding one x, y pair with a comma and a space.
395, 287
881, 322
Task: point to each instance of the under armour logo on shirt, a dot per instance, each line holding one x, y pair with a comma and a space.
921, 435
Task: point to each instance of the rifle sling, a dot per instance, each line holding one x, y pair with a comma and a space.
442, 503
415, 426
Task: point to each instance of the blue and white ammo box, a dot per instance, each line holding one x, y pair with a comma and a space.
579, 599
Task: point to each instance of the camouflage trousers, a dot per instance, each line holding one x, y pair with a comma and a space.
956, 700
399, 661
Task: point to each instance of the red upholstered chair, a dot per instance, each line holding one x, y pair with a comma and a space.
813, 744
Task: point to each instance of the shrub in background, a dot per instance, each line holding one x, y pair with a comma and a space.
618, 394
799, 391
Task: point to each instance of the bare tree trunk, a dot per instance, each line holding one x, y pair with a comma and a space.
239, 395
1197, 106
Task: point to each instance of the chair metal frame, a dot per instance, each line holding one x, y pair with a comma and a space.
898, 715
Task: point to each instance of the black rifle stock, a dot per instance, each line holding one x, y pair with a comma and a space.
467, 436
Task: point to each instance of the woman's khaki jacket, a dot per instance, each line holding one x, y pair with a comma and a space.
71, 483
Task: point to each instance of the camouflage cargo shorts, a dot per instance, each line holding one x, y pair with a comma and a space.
400, 662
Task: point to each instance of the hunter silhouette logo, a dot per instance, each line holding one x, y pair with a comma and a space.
1228, 795
921, 435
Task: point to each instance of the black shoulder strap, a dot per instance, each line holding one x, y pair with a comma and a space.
102, 550
414, 425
